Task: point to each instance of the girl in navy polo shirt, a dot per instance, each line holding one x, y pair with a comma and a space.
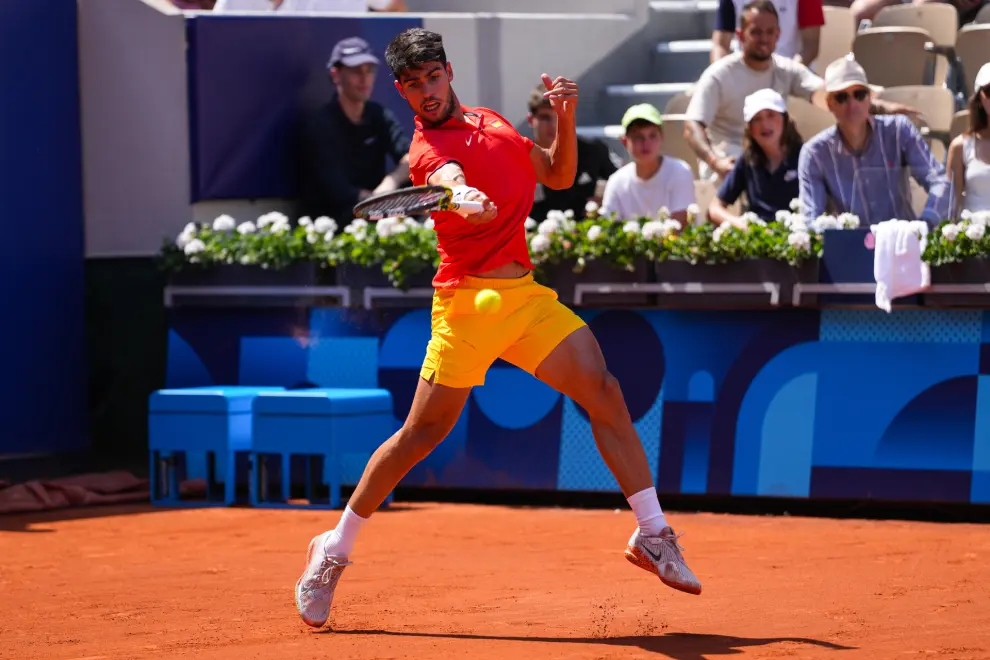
767, 169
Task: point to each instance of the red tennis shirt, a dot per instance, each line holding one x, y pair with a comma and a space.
495, 160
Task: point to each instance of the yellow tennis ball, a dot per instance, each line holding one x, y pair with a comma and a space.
487, 301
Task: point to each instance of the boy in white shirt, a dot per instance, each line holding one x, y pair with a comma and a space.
651, 180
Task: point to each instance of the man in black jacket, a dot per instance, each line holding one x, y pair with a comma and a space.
346, 142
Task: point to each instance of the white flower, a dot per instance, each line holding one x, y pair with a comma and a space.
663, 213
530, 224
357, 228
428, 223
594, 232
569, 214
324, 224
247, 260
410, 222
312, 237
783, 216
795, 222
631, 227
195, 246
280, 226
799, 240
657, 229
591, 207
224, 223
750, 218
950, 232
539, 243
848, 221
246, 228
825, 222
271, 218
721, 231
187, 234
305, 221
975, 232
966, 215
557, 215
979, 218
386, 227
796, 205
328, 237
693, 212
550, 226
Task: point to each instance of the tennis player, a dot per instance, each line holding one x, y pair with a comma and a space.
478, 154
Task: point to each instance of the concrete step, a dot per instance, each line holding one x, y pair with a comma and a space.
682, 19
617, 98
681, 61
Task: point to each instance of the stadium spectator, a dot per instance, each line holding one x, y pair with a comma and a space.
801, 24
596, 163
715, 126
861, 164
767, 172
969, 153
346, 142
651, 181
967, 9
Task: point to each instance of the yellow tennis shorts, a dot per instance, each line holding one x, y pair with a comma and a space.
530, 323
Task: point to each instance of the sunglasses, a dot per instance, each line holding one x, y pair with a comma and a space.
843, 97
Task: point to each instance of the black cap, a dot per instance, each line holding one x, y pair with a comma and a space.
353, 51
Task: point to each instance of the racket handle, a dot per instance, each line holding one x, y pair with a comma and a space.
468, 207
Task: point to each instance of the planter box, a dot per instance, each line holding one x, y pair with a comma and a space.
305, 274
300, 274
970, 271
748, 271
359, 278
562, 279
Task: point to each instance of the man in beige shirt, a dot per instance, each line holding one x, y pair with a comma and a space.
715, 126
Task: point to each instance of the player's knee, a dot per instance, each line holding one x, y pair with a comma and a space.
604, 397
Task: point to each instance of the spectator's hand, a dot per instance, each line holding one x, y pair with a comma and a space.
723, 165
364, 194
563, 95
485, 216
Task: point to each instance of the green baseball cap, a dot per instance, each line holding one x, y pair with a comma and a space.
642, 111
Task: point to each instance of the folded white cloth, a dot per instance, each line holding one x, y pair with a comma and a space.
897, 265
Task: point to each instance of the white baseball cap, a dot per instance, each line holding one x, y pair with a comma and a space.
982, 77
763, 99
844, 73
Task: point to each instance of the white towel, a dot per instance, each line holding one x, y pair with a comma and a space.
897, 265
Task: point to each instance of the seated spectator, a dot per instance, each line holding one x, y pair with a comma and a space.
969, 153
715, 126
651, 181
595, 163
346, 142
767, 171
859, 164
801, 24
868, 9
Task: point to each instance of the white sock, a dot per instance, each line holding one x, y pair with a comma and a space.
341, 540
649, 515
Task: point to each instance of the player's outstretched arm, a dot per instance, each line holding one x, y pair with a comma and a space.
452, 176
556, 167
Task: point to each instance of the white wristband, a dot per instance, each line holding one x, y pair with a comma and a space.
460, 192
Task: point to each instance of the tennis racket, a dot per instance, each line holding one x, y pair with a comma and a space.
412, 201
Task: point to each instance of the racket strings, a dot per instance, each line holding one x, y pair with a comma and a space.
399, 205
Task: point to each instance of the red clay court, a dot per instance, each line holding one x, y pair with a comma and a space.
459, 581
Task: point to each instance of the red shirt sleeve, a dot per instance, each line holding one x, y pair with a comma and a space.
424, 159
810, 13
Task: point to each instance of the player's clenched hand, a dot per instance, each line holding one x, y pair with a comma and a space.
563, 95
484, 216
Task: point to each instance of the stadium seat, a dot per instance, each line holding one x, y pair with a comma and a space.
836, 38
332, 431
874, 48
983, 16
973, 51
678, 104
674, 143
195, 432
940, 21
936, 104
960, 122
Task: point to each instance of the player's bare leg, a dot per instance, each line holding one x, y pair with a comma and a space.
434, 412
576, 368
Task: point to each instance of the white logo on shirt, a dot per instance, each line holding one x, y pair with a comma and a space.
470, 137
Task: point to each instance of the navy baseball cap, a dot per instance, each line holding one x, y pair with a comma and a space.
353, 51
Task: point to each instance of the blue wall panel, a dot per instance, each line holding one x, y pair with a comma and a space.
796, 403
43, 380
250, 78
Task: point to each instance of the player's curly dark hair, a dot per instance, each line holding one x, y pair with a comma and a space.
413, 48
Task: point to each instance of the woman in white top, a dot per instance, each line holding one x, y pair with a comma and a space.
969, 153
